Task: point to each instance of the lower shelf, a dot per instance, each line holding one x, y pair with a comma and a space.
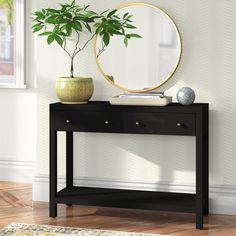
133, 199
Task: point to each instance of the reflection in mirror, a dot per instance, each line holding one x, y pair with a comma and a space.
146, 62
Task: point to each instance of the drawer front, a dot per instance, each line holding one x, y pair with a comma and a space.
86, 121
160, 123
127, 122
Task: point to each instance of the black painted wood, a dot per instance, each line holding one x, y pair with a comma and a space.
102, 117
126, 122
53, 167
69, 161
134, 199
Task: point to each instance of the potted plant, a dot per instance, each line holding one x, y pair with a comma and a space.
73, 21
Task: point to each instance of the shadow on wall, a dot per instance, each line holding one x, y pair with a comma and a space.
135, 158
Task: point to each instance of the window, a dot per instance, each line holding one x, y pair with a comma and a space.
12, 44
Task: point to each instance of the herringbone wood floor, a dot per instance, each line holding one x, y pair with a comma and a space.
16, 206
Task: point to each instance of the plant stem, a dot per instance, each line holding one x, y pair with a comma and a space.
77, 43
81, 49
101, 50
72, 68
75, 54
87, 42
71, 57
76, 51
64, 48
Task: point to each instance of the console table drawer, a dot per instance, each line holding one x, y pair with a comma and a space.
86, 121
160, 123
126, 122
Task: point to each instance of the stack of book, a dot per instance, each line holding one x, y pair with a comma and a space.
145, 99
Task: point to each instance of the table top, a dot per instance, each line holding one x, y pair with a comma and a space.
106, 106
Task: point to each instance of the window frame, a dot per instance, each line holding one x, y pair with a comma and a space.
18, 79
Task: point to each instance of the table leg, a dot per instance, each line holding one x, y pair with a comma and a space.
206, 164
69, 161
202, 180
53, 173
199, 184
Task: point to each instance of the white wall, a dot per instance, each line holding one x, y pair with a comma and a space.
18, 121
155, 162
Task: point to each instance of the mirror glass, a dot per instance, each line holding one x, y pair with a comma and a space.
147, 62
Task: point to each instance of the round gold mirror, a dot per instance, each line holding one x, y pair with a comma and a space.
146, 62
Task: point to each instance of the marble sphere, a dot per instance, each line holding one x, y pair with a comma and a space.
185, 96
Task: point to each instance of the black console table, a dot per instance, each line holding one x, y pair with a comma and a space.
102, 117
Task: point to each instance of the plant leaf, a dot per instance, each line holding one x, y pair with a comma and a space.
103, 32
56, 29
104, 12
129, 17
68, 15
106, 39
38, 14
51, 20
50, 10
45, 33
77, 26
125, 15
99, 29
58, 39
126, 41
37, 27
86, 7
73, 3
133, 36
130, 26
91, 12
111, 13
116, 32
51, 38
68, 27
88, 27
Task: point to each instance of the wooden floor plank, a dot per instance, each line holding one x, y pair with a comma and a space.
16, 206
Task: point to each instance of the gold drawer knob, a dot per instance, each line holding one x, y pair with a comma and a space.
178, 124
137, 123
67, 121
107, 122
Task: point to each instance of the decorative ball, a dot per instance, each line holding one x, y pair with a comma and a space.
185, 96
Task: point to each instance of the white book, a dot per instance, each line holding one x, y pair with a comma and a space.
138, 96
141, 101
152, 94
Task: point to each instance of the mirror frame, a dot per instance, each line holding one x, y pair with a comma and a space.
174, 68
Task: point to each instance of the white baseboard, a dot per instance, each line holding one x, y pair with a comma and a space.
222, 197
17, 171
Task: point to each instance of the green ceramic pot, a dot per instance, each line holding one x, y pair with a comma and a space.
77, 90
